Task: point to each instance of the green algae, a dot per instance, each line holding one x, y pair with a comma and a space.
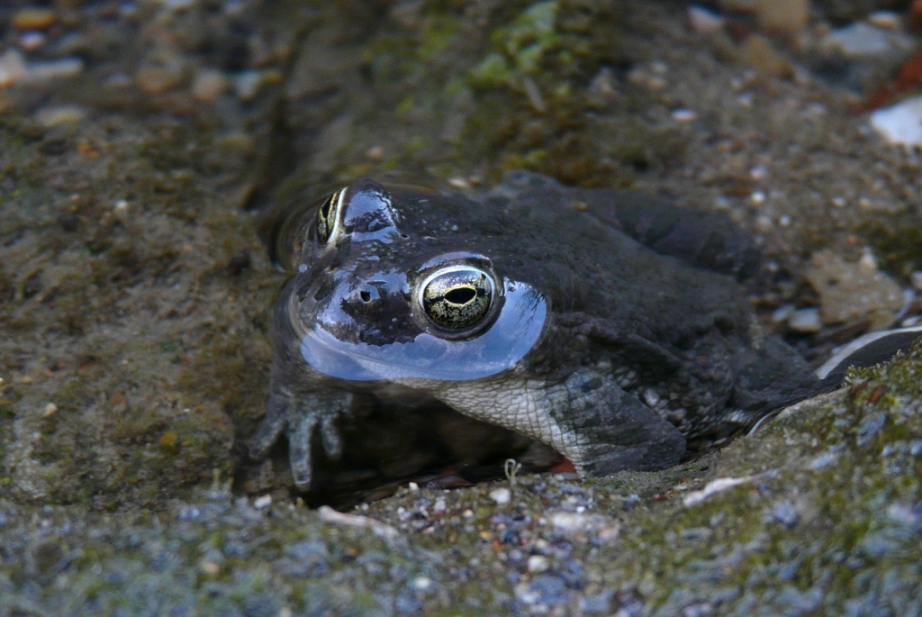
519, 48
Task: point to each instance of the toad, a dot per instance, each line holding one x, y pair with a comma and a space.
604, 327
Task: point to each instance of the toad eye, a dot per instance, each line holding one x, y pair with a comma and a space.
457, 297
328, 217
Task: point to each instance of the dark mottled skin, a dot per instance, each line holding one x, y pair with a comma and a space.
648, 348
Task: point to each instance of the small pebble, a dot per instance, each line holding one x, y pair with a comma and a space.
157, 80
782, 313
121, 211
32, 40
209, 567
12, 67
888, 20
805, 321
764, 223
823, 461
759, 52
867, 265
54, 69
501, 496
61, 114
50, 410
783, 16
704, 21
208, 85
538, 563
684, 115
247, 84
375, 153
33, 19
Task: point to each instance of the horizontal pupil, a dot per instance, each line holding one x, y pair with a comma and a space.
461, 295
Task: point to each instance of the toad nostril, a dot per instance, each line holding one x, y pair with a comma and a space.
365, 296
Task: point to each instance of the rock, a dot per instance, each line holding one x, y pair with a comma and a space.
853, 291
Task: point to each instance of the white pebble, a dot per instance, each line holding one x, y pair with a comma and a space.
805, 321
261, 503
501, 496
538, 563
900, 124
684, 115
